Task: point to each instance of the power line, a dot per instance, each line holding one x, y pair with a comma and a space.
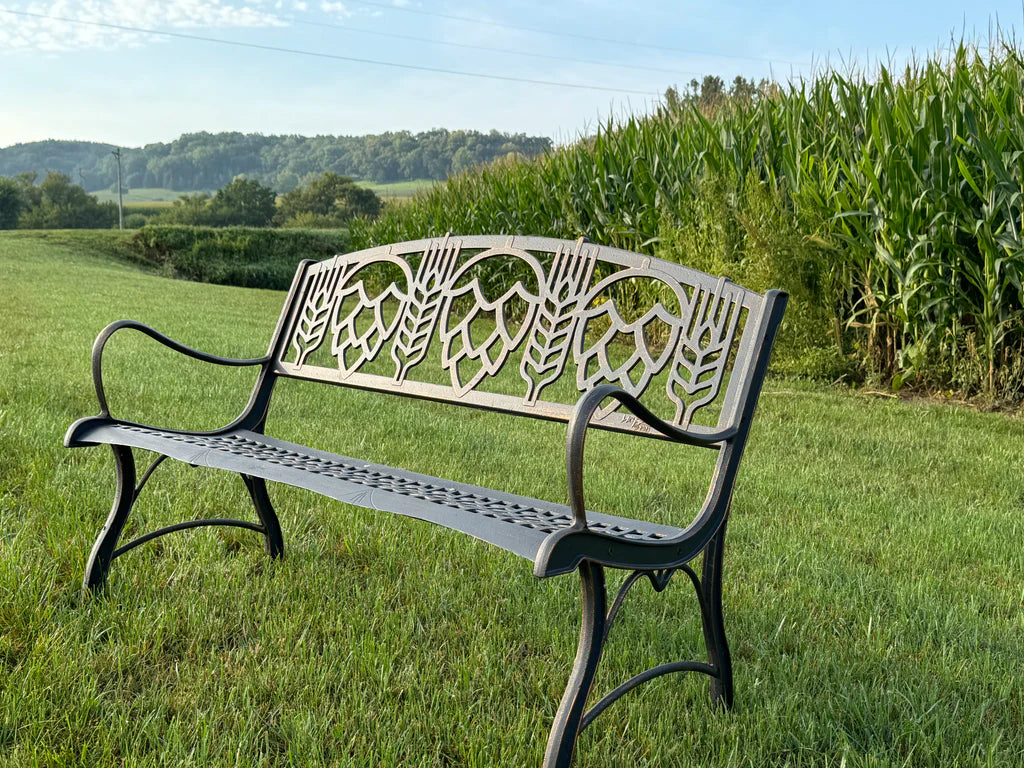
573, 35
336, 57
485, 48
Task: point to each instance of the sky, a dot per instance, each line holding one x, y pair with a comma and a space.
143, 71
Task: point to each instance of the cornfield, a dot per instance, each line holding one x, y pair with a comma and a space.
890, 206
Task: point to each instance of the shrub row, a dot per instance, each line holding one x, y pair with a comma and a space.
244, 256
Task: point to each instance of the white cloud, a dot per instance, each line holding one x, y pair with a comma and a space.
47, 29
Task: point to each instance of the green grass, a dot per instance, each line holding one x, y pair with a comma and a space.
104, 244
148, 206
874, 584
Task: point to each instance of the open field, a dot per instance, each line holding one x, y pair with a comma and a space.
398, 189
148, 195
874, 582
156, 195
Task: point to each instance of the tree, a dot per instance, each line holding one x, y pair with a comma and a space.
30, 194
58, 204
462, 160
329, 200
746, 90
711, 93
712, 90
673, 101
211, 160
244, 202
10, 203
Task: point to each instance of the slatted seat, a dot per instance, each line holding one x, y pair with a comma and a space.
516, 318
517, 524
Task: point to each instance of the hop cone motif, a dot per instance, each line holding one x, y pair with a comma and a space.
351, 345
635, 373
491, 354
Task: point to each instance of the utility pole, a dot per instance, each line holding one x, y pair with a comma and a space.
120, 200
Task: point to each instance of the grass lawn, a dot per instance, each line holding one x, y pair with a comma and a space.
874, 581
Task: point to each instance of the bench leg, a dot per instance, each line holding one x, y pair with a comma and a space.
257, 487
714, 625
562, 739
124, 497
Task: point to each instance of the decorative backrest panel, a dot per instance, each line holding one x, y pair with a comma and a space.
557, 310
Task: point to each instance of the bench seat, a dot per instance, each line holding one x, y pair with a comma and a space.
518, 524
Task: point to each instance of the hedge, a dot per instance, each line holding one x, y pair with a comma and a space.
244, 256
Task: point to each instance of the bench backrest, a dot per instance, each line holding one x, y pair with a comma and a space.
369, 320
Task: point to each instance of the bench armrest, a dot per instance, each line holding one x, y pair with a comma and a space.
585, 409
110, 330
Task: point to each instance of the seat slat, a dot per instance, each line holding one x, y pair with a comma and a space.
518, 524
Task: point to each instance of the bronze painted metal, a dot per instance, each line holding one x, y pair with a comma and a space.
704, 340
561, 304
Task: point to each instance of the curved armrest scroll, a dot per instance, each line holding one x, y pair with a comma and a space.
110, 330
586, 407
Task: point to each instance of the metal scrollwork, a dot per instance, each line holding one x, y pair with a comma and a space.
316, 312
560, 318
354, 304
642, 364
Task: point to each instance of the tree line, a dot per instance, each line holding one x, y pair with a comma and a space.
211, 160
326, 201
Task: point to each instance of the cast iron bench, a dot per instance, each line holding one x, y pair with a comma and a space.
368, 319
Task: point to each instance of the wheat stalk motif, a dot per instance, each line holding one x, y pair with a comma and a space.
316, 310
557, 317
700, 357
427, 295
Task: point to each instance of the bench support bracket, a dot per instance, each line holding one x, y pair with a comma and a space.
572, 717
562, 739
105, 550
124, 497
271, 528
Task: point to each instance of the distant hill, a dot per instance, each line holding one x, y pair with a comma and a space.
211, 160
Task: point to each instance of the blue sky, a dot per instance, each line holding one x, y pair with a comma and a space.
77, 81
